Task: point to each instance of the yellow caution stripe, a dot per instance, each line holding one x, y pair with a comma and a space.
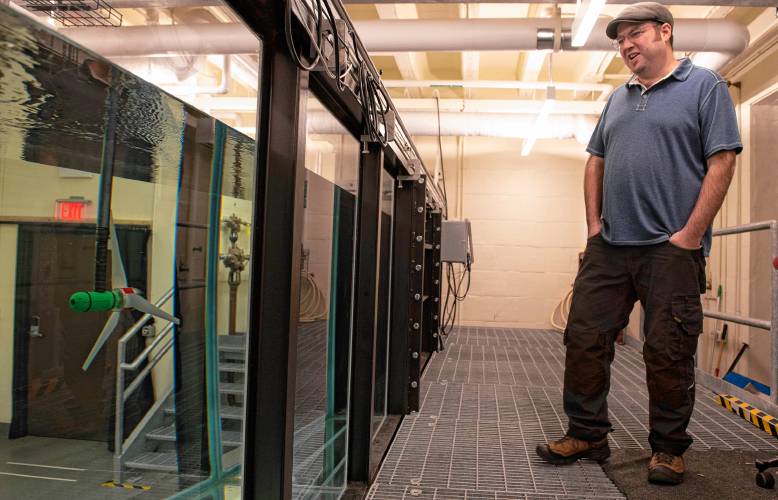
757, 417
126, 486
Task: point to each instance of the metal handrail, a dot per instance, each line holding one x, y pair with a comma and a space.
145, 353
122, 394
147, 369
772, 324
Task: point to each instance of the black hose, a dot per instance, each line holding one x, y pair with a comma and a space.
107, 161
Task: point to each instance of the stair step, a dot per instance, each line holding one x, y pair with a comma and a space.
154, 461
227, 412
168, 433
164, 433
232, 412
232, 367
227, 388
232, 438
232, 343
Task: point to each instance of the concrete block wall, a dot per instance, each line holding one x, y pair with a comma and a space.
528, 224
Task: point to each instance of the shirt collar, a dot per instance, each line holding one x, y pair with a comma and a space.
680, 73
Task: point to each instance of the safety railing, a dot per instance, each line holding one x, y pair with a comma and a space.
772, 324
153, 353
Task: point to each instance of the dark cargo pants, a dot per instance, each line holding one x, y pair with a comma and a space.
668, 281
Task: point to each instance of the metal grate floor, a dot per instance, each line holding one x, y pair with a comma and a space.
494, 393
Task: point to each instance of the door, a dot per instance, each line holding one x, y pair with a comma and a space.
53, 396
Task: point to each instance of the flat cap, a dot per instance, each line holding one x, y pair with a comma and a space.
638, 13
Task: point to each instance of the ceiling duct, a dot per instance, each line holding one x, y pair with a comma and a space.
167, 4
691, 35
505, 125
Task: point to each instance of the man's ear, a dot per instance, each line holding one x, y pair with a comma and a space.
667, 32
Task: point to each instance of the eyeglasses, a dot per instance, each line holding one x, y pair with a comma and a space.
633, 35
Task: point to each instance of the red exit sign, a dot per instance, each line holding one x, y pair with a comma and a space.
71, 209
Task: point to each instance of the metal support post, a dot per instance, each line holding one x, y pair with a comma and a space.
415, 320
275, 276
774, 313
401, 274
364, 337
432, 274
772, 325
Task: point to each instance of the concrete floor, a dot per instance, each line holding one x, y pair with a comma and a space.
35, 467
712, 474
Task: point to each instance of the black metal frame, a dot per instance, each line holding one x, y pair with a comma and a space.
407, 295
432, 274
364, 334
275, 277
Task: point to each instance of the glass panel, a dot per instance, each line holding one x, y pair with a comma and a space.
94, 160
237, 206
324, 334
386, 231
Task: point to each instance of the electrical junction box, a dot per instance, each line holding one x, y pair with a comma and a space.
456, 242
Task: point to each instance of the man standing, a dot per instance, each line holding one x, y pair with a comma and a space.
661, 159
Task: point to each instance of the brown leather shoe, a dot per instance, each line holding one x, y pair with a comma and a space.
665, 469
569, 449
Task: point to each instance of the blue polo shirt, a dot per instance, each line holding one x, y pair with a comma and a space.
656, 143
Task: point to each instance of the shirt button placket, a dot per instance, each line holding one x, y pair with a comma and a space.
643, 102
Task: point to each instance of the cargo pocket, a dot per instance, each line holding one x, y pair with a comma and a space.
686, 313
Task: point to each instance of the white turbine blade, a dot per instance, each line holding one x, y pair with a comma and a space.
108, 329
118, 274
137, 302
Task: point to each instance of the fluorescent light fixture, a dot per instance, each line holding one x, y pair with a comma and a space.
586, 15
540, 121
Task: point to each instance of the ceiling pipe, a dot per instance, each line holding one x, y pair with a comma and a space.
691, 35
512, 126
134, 4
220, 89
220, 105
602, 88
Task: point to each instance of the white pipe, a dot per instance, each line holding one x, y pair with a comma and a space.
221, 89
164, 4
603, 88
516, 126
502, 106
691, 35
159, 40
162, 70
